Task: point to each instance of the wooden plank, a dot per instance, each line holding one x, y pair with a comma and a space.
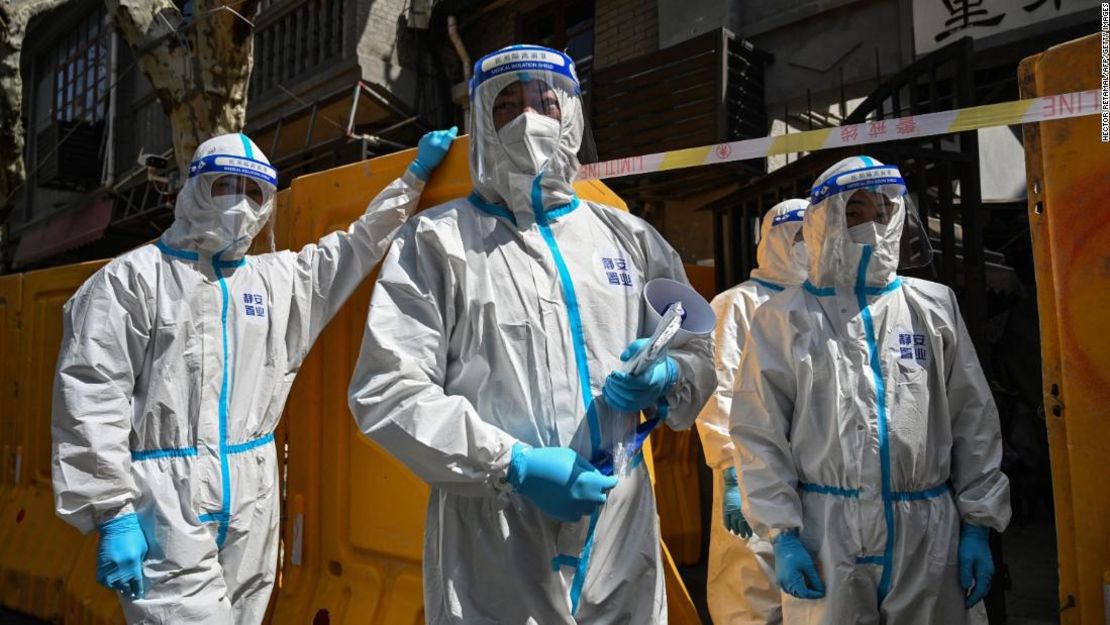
611, 85
652, 106
691, 47
661, 85
700, 118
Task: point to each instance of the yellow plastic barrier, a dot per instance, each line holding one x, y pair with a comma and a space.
37, 549
1068, 171
353, 532
86, 602
11, 288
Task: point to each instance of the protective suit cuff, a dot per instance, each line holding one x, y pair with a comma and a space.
108, 516
502, 468
413, 179
775, 532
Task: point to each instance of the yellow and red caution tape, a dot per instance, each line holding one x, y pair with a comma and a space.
1047, 108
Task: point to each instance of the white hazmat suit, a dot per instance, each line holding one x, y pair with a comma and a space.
741, 587
494, 322
176, 361
862, 419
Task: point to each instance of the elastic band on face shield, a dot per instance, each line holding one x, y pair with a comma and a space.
864, 178
798, 214
524, 59
235, 165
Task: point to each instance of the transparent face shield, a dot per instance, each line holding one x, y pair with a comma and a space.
234, 192
871, 200
526, 116
236, 195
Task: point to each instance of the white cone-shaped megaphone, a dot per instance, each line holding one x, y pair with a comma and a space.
698, 320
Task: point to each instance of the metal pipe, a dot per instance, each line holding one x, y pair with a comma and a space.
113, 77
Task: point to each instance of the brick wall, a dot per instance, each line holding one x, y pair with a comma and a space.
624, 29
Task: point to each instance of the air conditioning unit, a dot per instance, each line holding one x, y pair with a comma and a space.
69, 155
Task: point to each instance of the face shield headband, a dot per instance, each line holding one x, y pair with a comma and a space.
524, 59
798, 214
870, 178
234, 165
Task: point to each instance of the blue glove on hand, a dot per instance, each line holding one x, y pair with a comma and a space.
559, 481
734, 519
120, 555
794, 568
630, 393
976, 565
431, 150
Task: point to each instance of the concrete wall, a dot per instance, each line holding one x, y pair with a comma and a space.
815, 42
680, 20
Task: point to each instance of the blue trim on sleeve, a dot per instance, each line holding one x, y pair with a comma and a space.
769, 284
154, 454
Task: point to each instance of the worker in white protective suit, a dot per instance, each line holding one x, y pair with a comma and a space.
866, 434
494, 326
176, 361
741, 587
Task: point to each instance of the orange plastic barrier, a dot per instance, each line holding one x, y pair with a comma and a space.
11, 288
37, 549
1068, 168
354, 521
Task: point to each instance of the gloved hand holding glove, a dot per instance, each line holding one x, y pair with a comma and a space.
120, 555
733, 517
797, 575
976, 564
430, 151
630, 393
559, 481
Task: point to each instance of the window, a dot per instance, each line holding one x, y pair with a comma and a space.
566, 25
81, 71
298, 43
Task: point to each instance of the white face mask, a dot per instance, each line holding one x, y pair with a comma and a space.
234, 220
869, 233
529, 141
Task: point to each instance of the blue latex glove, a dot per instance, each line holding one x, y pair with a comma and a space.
630, 393
794, 568
120, 555
559, 481
734, 518
976, 565
431, 150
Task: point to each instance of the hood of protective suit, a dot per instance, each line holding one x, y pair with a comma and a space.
835, 260
499, 174
781, 260
223, 225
